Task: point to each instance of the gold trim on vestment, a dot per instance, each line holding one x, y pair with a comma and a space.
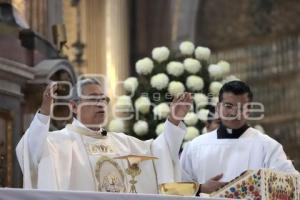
111, 181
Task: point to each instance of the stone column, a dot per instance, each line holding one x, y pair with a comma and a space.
117, 42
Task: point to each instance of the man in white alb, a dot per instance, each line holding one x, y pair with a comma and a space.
82, 157
232, 148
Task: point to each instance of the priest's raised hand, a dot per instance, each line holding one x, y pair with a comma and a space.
48, 98
180, 107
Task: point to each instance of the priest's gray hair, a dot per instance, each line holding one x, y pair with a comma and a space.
77, 88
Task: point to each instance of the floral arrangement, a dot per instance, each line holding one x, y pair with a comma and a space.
165, 75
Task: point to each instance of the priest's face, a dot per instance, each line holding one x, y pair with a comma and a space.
91, 109
233, 110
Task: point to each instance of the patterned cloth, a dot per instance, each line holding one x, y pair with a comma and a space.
263, 184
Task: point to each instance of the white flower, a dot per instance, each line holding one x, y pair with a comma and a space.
190, 119
201, 100
260, 128
142, 104
176, 88
160, 54
202, 53
203, 115
140, 128
144, 66
191, 133
160, 128
159, 81
175, 68
219, 70
131, 84
123, 101
192, 65
162, 110
230, 78
187, 48
215, 87
225, 66
116, 125
214, 101
194, 83
215, 71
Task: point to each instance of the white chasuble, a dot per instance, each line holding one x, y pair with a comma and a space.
70, 160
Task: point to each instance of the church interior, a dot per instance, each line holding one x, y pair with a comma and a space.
61, 40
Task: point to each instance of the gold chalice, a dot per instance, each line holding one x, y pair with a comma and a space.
179, 188
133, 169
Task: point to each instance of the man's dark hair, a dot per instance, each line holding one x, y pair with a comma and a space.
76, 91
237, 88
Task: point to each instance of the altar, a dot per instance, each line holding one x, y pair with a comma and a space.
16, 194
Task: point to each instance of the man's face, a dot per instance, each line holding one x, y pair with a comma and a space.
91, 109
233, 110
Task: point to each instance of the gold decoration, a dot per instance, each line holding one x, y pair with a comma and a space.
133, 169
60, 38
98, 148
179, 188
109, 175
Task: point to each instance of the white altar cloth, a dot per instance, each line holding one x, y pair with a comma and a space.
17, 194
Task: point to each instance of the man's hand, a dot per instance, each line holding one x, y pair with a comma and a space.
212, 184
180, 107
48, 98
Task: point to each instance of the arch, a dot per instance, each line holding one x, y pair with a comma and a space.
47, 68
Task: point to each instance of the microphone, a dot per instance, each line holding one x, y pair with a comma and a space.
103, 132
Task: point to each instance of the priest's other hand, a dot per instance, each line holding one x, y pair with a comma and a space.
212, 184
48, 98
180, 107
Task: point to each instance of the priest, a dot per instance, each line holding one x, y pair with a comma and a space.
232, 148
82, 156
